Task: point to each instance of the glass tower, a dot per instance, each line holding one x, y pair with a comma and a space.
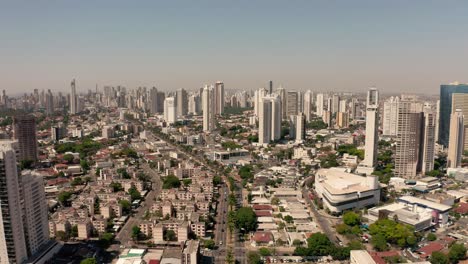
446, 91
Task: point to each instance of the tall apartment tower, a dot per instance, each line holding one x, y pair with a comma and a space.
170, 110
428, 142
153, 100
437, 120
319, 105
408, 139
270, 91
208, 106
24, 131
372, 119
258, 95
73, 99
460, 101
292, 104
181, 102
390, 116
446, 91
219, 98
335, 104
307, 105
283, 97
456, 139
49, 102
194, 104
297, 130
12, 239
269, 119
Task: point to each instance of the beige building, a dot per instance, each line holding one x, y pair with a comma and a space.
191, 252
460, 101
456, 139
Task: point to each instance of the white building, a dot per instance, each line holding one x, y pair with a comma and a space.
372, 119
456, 139
219, 98
191, 252
319, 104
390, 116
269, 119
341, 191
208, 106
307, 105
297, 130
170, 110
73, 99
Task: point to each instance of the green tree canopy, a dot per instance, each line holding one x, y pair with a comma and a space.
170, 182
253, 258
89, 261
438, 257
351, 218
457, 252
246, 219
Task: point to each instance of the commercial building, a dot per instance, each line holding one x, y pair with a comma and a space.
170, 110
181, 102
292, 103
24, 131
416, 216
446, 92
440, 212
342, 191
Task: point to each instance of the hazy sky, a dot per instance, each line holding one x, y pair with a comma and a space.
410, 46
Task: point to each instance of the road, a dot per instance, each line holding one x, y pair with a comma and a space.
125, 234
221, 228
239, 248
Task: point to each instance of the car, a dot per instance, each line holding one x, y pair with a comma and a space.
220, 242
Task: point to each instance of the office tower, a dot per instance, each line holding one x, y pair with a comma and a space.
408, 139
291, 104
160, 102
335, 105
194, 104
428, 142
242, 99
319, 105
181, 102
35, 210
258, 95
456, 139
49, 102
372, 119
219, 98
446, 91
269, 119
73, 102
390, 116
153, 101
460, 101
12, 240
24, 130
208, 106
283, 97
343, 106
170, 110
342, 120
327, 118
307, 105
353, 105
297, 127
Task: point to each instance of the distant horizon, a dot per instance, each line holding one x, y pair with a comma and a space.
398, 46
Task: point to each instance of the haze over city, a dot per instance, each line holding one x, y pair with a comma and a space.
410, 46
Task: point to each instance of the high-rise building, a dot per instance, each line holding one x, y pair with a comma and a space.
12, 238
446, 91
372, 119
327, 118
258, 95
307, 105
208, 106
292, 103
181, 102
456, 139
283, 97
343, 106
24, 130
437, 120
154, 101
297, 130
428, 142
49, 102
58, 132
460, 101
342, 120
269, 119
270, 91
319, 105
73, 99
219, 98
170, 110
335, 104
408, 139
390, 116
194, 104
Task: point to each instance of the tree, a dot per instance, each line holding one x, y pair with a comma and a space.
84, 164
438, 257
351, 218
289, 219
171, 182
134, 193
116, 186
63, 198
61, 235
26, 164
457, 252
264, 251
246, 219
126, 206
135, 232
229, 257
209, 244
393, 232
275, 201
170, 235
217, 180
253, 258
187, 182
89, 261
68, 158
319, 244
106, 239
431, 237
74, 231
379, 242
297, 242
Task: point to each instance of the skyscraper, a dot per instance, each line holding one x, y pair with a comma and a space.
390, 116
73, 99
372, 119
428, 142
456, 139
153, 100
446, 91
269, 119
292, 103
24, 130
271, 87
170, 111
258, 95
49, 102
282, 95
219, 98
181, 102
335, 104
12, 239
307, 105
208, 106
319, 104
460, 101
297, 130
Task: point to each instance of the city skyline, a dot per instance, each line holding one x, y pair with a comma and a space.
397, 46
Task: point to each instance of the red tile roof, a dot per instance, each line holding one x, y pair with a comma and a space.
261, 207
263, 213
462, 208
427, 250
262, 237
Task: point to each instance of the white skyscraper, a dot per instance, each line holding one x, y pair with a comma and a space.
73, 99
219, 98
269, 119
282, 95
372, 119
208, 106
258, 95
390, 116
170, 110
12, 239
319, 104
456, 139
335, 104
428, 141
194, 104
307, 105
297, 129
